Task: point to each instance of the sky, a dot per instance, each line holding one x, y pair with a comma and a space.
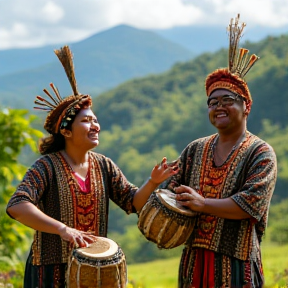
36, 23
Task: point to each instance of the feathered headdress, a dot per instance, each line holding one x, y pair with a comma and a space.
60, 110
239, 63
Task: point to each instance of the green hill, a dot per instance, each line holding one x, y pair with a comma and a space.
144, 119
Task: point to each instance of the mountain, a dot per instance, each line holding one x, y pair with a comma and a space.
15, 60
144, 119
200, 39
101, 62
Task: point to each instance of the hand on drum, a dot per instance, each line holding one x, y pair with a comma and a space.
188, 197
76, 237
163, 171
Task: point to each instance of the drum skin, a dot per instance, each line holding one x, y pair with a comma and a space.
165, 222
90, 271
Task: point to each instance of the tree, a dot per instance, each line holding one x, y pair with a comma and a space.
15, 134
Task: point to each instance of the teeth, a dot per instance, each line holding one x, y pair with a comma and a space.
221, 115
93, 136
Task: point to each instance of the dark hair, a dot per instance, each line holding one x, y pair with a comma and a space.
56, 142
51, 143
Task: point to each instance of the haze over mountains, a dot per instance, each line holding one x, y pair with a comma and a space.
106, 59
200, 39
101, 62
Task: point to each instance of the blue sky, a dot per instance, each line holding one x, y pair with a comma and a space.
30, 23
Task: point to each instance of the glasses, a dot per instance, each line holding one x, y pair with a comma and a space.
225, 100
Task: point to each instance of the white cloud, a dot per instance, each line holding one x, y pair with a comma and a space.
52, 12
153, 14
17, 31
267, 13
27, 23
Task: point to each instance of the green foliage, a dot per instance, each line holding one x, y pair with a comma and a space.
123, 230
119, 221
14, 237
277, 137
169, 110
278, 223
138, 249
15, 133
130, 160
11, 272
145, 119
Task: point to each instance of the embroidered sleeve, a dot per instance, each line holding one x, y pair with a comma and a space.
175, 180
122, 192
185, 168
33, 184
256, 193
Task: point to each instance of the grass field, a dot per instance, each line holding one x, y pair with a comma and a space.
163, 273
156, 274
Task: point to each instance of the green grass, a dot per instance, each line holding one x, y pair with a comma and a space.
275, 262
156, 274
164, 273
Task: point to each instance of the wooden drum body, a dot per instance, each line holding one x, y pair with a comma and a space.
102, 264
163, 221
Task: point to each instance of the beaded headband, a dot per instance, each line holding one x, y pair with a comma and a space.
239, 64
61, 110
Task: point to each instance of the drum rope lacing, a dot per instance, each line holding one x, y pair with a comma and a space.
68, 268
166, 226
82, 260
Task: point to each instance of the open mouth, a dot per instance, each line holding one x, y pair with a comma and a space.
93, 136
221, 115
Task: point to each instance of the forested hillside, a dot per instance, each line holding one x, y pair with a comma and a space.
142, 120
145, 119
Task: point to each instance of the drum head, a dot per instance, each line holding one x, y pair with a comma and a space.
167, 198
100, 249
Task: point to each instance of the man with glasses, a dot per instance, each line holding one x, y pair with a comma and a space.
229, 179
225, 100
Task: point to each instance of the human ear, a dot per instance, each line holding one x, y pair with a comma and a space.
66, 133
246, 108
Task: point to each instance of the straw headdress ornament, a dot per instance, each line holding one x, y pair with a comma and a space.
61, 110
239, 64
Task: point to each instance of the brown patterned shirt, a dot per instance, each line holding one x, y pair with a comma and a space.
248, 176
51, 185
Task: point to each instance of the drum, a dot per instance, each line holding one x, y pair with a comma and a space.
101, 264
164, 221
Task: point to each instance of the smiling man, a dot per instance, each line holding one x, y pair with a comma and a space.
229, 179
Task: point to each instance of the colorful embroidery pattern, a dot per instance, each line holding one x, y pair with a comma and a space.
51, 185
243, 177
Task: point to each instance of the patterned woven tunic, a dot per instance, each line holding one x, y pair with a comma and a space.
247, 176
50, 184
